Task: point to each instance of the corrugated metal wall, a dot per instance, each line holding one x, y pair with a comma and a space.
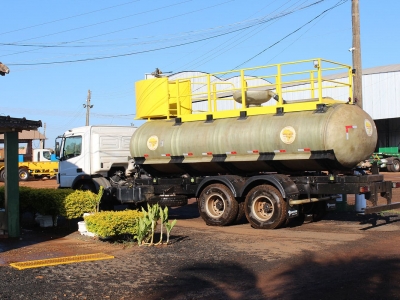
340, 93
381, 95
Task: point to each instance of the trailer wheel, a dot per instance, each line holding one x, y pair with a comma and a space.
3, 175
217, 205
395, 167
265, 208
23, 174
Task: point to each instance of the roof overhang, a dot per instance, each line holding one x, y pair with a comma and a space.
8, 124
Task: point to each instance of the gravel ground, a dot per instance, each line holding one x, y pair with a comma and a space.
340, 257
337, 258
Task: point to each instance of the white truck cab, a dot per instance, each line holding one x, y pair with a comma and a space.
91, 152
41, 155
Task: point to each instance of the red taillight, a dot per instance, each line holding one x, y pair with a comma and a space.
364, 189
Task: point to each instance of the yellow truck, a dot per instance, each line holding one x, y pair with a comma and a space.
42, 165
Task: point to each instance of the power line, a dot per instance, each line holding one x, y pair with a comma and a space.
112, 32
334, 6
107, 21
235, 42
166, 47
173, 36
67, 18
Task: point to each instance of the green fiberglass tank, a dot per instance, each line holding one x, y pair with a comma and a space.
334, 139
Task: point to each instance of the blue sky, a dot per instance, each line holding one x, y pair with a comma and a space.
58, 50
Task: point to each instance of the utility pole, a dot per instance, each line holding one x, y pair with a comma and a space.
356, 52
44, 133
88, 107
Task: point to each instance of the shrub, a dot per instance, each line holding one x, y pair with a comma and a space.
113, 223
43, 201
24, 198
80, 202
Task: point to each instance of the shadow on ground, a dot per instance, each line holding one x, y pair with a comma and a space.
357, 278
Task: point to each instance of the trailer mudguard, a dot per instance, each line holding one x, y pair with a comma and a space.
233, 182
283, 183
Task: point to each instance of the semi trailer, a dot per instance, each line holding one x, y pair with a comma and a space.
386, 158
262, 153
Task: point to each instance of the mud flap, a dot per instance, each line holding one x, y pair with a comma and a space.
292, 211
330, 205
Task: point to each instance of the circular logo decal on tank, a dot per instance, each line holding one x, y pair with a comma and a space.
288, 135
152, 142
368, 127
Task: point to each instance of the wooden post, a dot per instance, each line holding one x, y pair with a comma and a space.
88, 106
12, 183
356, 51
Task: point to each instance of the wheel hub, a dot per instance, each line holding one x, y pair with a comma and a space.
215, 205
219, 205
263, 208
266, 207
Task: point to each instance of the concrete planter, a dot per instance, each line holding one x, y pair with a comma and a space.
45, 221
82, 227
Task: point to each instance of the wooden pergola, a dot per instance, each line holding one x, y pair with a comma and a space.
11, 127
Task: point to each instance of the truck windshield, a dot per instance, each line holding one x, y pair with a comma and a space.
47, 155
72, 147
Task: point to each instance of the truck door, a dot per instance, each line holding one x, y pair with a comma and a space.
71, 163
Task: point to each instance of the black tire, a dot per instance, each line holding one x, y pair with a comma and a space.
87, 186
170, 201
265, 208
395, 166
23, 174
3, 175
217, 205
241, 213
107, 201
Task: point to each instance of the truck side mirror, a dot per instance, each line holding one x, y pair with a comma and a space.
57, 150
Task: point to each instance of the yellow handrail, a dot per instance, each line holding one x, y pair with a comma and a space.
313, 79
